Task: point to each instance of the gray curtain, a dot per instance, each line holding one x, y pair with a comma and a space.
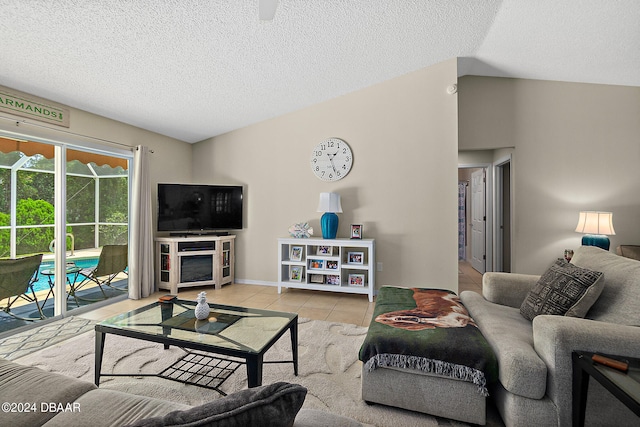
141, 280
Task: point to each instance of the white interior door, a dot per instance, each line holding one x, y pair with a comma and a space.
478, 220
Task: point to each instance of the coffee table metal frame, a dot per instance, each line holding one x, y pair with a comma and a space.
254, 360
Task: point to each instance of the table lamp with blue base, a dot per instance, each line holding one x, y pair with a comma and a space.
330, 205
596, 226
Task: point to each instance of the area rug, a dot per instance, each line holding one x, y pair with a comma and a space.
328, 367
37, 338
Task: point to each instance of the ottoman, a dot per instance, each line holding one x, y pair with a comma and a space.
424, 353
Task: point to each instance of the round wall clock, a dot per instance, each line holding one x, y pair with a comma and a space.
331, 160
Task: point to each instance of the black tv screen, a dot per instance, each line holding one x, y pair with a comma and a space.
193, 207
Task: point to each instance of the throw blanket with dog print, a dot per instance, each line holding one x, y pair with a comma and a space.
427, 330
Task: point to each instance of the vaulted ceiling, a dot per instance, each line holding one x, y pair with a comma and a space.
193, 69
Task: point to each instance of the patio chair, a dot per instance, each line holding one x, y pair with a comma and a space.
16, 281
113, 260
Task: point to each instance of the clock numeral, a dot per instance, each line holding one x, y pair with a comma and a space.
338, 173
317, 168
347, 159
318, 153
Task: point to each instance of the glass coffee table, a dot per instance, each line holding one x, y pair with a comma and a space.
244, 334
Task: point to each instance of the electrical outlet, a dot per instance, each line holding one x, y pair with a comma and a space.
379, 266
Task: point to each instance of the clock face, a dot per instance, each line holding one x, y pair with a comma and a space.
331, 160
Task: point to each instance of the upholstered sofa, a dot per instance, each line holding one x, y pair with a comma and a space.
534, 357
32, 397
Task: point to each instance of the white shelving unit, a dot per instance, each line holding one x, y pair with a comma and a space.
335, 265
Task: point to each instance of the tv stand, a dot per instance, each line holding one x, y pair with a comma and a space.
198, 233
194, 260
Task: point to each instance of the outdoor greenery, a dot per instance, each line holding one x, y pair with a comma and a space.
35, 196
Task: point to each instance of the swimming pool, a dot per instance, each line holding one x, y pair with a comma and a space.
42, 284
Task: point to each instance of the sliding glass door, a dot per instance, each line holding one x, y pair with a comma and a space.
51, 193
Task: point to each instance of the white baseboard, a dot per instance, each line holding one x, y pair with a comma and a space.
254, 282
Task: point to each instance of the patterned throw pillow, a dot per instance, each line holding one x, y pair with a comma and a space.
563, 290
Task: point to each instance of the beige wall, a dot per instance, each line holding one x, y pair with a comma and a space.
402, 186
577, 147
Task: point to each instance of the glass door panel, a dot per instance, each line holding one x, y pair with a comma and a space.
97, 203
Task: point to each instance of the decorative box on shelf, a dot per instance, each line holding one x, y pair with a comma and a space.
336, 265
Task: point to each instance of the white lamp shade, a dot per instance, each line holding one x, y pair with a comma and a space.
590, 222
330, 202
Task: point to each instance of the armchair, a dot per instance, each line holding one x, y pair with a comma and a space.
629, 251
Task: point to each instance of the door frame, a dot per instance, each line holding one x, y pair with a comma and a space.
489, 207
499, 209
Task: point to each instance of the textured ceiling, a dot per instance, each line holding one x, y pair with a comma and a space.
193, 69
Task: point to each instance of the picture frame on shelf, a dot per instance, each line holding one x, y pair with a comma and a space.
333, 279
356, 280
355, 258
295, 273
332, 265
356, 231
295, 254
316, 264
324, 250
316, 278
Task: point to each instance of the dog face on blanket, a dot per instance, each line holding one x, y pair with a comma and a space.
434, 308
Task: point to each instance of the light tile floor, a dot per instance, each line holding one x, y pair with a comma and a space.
469, 279
316, 305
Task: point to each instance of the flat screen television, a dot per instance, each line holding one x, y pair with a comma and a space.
197, 209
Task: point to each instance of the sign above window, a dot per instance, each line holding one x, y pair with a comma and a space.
25, 105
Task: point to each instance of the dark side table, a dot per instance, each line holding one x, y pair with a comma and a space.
624, 386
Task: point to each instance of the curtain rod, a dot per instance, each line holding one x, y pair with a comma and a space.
19, 122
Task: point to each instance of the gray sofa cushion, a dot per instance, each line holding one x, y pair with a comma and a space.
521, 371
563, 290
20, 384
113, 408
274, 405
618, 302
